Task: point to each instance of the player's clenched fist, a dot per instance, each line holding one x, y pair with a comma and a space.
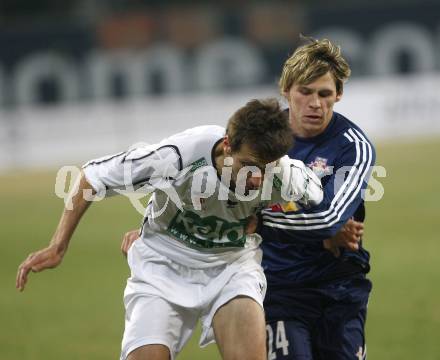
348, 237
46, 258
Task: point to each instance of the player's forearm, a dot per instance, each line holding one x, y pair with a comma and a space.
51, 256
71, 217
309, 186
314, 193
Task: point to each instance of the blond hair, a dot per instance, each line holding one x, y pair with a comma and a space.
313, 60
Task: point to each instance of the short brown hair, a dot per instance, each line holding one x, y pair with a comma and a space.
313, 60
263, 126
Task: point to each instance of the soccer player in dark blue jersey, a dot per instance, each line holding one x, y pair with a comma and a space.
313, 258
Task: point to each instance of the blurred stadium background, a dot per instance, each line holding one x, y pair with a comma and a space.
83, 78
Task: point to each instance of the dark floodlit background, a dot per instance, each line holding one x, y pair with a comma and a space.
81, 79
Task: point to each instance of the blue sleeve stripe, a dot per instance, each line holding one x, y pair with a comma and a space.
352, 180
344, 197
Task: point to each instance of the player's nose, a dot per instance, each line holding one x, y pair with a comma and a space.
315, 103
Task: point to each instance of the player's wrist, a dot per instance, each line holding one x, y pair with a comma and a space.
58, 248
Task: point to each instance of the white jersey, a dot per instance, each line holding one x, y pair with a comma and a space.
193, 218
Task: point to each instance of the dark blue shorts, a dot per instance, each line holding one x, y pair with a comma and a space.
322, 323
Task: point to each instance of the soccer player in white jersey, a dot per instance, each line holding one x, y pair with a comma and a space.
194, 259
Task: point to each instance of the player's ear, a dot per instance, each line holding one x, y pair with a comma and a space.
339, 96
227, 146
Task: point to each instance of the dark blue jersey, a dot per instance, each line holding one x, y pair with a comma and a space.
293, 254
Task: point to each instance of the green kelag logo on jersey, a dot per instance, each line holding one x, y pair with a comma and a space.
207, 232
198, 164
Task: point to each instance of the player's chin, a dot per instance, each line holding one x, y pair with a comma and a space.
313, 126
249, 189
354, 247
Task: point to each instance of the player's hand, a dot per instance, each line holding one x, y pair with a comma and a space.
128, 239
252, 224
46, 258
348, 238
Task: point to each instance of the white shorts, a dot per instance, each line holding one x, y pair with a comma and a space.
164, 300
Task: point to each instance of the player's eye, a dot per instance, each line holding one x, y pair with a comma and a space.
325, 93
305, 91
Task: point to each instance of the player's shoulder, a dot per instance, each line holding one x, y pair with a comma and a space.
287, 162
348, 132
353, 143
204, 132
196, 144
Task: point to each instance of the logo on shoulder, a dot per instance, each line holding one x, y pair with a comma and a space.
198, 164
320, 168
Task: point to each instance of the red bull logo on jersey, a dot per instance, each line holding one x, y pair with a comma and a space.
320, 168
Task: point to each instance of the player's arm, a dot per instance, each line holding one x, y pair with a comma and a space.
52, 255
293, 181
107, 176
342, 197
348, 237
303, 186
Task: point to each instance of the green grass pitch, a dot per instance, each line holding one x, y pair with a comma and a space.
76, 311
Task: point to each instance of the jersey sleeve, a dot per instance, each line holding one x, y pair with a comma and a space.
342, 195
295, 182
130, 170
